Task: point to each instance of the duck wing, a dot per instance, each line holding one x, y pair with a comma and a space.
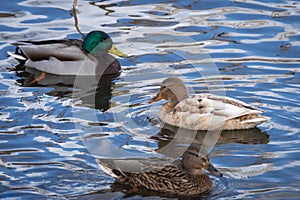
207, 111
225, 106
63, 50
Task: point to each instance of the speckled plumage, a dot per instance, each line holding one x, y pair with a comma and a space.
182, 177
170, 179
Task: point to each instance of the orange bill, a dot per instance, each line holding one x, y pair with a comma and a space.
156, 98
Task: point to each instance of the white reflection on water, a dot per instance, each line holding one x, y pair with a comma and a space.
254, 43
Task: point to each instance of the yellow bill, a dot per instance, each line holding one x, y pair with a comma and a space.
117, 52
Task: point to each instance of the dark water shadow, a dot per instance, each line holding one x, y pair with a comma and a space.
248, 136
97, 96
117, 187
120, 191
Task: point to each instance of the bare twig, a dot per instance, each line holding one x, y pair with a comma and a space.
74, 4
74, 13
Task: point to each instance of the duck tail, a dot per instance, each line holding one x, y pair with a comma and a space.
107, 168
258, 120
17, 56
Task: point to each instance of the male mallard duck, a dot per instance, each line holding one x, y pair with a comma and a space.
182, 177
204, 111
71, 57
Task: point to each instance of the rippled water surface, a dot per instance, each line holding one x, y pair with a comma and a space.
51, 132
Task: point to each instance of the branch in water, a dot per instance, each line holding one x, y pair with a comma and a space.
74, 13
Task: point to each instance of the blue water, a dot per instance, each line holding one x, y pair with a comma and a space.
51, 132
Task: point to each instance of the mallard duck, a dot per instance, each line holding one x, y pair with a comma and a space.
71, 57
182, 177
204, 111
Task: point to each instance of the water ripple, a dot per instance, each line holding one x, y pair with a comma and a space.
51, 134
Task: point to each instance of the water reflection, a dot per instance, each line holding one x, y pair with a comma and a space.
250, 136
97, 97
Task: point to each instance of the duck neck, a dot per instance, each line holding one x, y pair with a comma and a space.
177, 96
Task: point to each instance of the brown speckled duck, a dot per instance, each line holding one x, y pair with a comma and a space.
182, 177
204, 111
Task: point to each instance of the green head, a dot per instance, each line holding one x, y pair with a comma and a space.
99, 43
